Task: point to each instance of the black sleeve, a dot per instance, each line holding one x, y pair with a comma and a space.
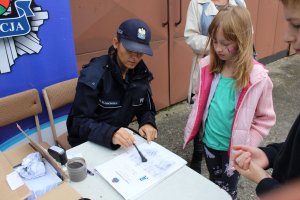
271, 152
146, 115
266, 185
82, 123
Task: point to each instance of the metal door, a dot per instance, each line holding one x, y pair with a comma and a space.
179, 52
95, 23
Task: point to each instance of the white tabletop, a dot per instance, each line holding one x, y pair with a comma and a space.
185, 184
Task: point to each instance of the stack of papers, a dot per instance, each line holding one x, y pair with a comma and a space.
131, 177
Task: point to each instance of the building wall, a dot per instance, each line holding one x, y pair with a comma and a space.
95, 23
269, 26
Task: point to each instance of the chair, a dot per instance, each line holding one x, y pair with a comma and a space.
57, 96
19, 106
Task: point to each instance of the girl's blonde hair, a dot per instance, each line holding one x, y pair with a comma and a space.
237, 27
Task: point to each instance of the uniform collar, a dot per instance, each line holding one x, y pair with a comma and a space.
258, 72
139, 72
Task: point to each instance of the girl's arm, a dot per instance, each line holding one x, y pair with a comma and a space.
265, 116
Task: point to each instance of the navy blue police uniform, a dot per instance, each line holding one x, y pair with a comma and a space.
105, 102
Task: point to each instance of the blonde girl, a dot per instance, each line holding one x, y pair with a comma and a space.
283, 157
234, 103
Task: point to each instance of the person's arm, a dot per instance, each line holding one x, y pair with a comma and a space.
288, 191
192, 32
254, 172
264, 117
271, 151
251, 162
146, 118
82, 122
266, 185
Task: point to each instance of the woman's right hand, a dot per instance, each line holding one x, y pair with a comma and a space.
123, 138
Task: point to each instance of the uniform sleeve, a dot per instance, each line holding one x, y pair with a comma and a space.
192, 32
82, 123
265, 116
146, 115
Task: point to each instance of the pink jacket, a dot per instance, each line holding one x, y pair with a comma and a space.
254, 115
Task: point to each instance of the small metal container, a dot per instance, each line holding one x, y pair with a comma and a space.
77, 169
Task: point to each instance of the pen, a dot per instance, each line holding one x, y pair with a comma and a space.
90, 172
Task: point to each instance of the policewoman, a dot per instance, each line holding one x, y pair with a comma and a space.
113, 89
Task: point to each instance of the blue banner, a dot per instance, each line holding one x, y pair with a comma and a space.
43, 56
19, 25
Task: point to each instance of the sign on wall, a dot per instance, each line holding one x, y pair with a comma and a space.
36, 49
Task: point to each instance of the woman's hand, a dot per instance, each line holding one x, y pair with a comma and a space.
123, 138
148, 131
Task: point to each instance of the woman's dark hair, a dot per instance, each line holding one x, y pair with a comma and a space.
112, 50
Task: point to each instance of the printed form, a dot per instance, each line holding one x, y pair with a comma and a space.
131, 177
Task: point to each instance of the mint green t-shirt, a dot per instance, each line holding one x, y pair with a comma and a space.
217, 130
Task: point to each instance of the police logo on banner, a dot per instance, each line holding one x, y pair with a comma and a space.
19, 23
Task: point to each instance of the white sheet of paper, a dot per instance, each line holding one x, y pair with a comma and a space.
14, 180
131, 177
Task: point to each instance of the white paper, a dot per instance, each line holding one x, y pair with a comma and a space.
14, 180
131, 177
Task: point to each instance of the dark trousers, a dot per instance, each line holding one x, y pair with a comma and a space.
198, 149
197, 154
217, 164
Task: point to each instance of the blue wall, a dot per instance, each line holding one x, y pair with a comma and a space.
54, 62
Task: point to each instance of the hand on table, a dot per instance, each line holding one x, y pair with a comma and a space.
123, 138
148, 131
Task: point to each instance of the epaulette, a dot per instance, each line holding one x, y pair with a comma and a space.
91, 73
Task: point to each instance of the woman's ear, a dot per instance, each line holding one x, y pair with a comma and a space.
115, 42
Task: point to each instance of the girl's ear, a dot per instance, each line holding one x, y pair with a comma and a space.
115, 42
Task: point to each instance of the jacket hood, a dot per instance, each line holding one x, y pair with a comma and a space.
258, 72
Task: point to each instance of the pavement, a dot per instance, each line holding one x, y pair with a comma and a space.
285, 75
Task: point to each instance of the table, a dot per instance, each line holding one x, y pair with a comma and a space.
185, 184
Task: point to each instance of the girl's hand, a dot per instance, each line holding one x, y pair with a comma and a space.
243, 152
254, 172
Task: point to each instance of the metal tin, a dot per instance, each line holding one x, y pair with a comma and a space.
77, 169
